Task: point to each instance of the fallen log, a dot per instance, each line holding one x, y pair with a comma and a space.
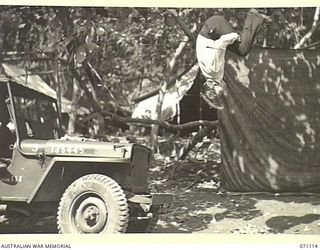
147, 122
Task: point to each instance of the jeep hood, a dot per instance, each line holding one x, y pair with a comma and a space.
79, 148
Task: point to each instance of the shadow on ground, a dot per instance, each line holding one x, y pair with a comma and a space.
198, 211
29, 225
282, 223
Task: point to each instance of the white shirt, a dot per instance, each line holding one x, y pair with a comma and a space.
211, 55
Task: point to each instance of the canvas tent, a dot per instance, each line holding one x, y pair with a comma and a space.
35, 82
182, 102
270, 127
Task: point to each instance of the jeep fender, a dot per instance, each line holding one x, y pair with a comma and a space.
60, 162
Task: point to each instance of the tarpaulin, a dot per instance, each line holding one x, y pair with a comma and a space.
147, 108
270, 127
36, 83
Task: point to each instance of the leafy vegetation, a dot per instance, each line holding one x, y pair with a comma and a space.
114, 54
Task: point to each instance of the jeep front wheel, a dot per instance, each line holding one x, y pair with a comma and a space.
93, 204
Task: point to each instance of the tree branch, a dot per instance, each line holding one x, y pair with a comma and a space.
171, 82
173, 63
194, 140
148, 122
94, 102
315, 25
311, 45
183, 26
95, 78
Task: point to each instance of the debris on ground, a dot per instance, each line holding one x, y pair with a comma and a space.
201, 205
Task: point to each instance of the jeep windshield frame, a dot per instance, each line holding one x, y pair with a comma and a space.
35, 115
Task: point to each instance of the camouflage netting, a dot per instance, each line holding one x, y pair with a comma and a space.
270, 127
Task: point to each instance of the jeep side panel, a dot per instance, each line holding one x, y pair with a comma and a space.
62, 171
18, 180
26, 175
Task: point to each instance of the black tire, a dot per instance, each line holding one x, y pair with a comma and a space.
93, 204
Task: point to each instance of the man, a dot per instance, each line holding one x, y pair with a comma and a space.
214, 38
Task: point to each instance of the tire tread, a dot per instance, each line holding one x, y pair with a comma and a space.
116, 192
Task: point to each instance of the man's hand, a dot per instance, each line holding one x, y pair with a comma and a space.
235, 37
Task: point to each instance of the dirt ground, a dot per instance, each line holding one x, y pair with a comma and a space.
206, 210
201, 206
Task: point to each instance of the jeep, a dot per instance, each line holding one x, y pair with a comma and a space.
92, 186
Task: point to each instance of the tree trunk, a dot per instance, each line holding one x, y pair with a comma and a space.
155, 127
74, 107
170, 74
59, 94
167, 75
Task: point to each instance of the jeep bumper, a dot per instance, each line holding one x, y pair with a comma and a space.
150, 199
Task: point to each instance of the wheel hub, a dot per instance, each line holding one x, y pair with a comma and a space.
91, 215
